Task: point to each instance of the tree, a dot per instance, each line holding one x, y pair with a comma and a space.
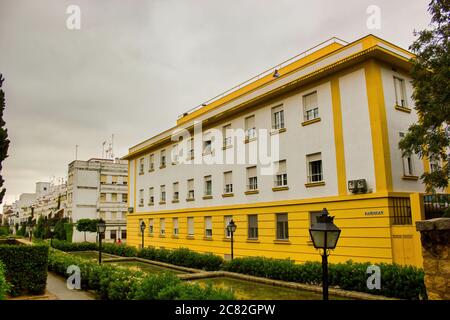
87, 225
4, 141
431, 81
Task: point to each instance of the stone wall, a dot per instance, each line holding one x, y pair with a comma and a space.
435, 238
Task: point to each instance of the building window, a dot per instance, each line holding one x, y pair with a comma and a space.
124, 197
141, 166
281, 176
227, 136
277, 118
252, 179
163, 159
123, 234
102, 179
250, 128
313, 217
103, 197
151, 196
151, 162
114, 179
208, 227
162, 226
190, 189
151, 226
175, 154
314, 163
310, 107
228, 182
253, 226
434, 166
190, 226
408, 166
226, 220
113, 234
282, 226
400, 92
175, 226
208, 186
176, 193
191, 149
125, 180
141, 197
113, 197
163, 193
207, 143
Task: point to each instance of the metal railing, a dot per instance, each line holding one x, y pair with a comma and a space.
401, 211
266, 72
436, 205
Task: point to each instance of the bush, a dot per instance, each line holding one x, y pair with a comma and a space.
4, 231
73, 246
4, 286
26, 268
115, 283
404, 282
119, 250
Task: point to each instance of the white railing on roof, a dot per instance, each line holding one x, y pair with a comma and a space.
266, 72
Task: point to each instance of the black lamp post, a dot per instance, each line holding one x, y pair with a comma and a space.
231, 227
324, 234
142, 226
101, 227
52, 232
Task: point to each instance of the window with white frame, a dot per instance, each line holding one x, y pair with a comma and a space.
162, 226
191, 149
141, 166
190, 189
227, 136
310, 106
207, 143
141, 197
208, 227
208, 185
228, 182
278, 117
434, 165
163, 159
226, 220
281, 175
314, 167
175, 226
190, 226
252, 226
176, 193
151, 226
400, 92
407, 162
151, 196
175, 153
163, 193
252, 178
282, 226
250, 127
151, 160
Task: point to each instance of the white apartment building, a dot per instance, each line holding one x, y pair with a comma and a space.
51, 200
98, 188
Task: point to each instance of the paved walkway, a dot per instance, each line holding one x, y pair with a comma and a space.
56, 286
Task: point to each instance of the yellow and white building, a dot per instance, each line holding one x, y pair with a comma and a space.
337, 113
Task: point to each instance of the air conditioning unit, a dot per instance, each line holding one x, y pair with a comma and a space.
130, 209
357, 186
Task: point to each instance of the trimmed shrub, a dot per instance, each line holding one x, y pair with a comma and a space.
404, 282
116, 283
4, 286
119, 250
4, 231
73, 246
26, 268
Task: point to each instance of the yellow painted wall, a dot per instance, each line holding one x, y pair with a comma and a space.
363, 238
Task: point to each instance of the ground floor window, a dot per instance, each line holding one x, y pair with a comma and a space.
282, 226
124, 234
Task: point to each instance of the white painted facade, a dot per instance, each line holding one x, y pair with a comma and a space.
97, 188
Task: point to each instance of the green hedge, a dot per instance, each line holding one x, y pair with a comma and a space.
73, 246
4, 231
404, 282
115, 283
4, 286
26, 268
183, 257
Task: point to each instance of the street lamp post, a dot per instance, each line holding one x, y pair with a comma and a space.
324, 234
231, 227
142, 226
52, 232
101, 227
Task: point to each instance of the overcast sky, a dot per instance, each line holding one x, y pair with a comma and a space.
134, 66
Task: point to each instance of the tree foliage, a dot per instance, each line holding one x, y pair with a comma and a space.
4, 141
87, 225
430, 138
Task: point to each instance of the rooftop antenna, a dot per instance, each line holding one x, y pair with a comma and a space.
103, 149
